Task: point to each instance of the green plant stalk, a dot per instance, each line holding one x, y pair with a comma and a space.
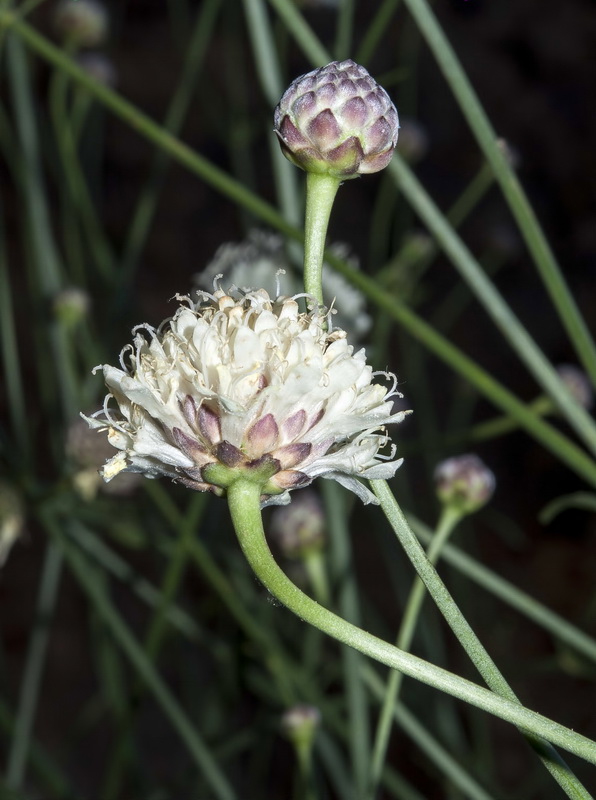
315, 565
13, 379
344, 30
243, 500
55, 783
447, 523
302, 32
566, 450
526, 219
468, 639
270, 77
153, 132
504, 318
143, 589
32, 675
427, 743
495, 392
77, 191
376, 29
206, 764
337, 512
144, 211
511, 595
217, 580
320, 194
170, 585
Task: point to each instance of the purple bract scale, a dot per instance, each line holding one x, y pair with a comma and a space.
244, 384
361, 110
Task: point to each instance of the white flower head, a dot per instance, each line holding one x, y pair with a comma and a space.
248, 385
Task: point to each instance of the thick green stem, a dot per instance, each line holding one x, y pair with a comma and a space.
243, 500
469, 641
320, 194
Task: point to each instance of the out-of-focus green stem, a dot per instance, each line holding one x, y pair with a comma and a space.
348, 603
508, 324
447, 523
302, 32
524, 214
31, 682
511, 595
470, 642
206, 763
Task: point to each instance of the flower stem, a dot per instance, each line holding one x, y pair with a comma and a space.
243, 500
469, 641
447, 523
320, 194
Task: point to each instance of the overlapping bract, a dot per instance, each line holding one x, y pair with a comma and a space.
244, 382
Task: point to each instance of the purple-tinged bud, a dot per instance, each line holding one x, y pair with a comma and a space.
300, 724
337, 120
299, 528
577, 384
465, 483
84, 23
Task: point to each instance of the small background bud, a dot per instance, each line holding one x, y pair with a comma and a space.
11, 519
577, 384
84, 23
71, 306
99, 67
413, 140
465, 483
299, 528
257, 261
300, 723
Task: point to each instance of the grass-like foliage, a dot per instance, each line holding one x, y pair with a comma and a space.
408, 648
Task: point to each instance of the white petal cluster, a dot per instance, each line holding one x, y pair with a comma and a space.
237, 381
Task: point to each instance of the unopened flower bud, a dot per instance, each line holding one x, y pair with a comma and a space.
300, 723
577, 384
299, 528
338, 121
464, 482
84, 22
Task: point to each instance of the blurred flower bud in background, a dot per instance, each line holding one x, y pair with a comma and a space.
577, 383
71, 306
300, 723
300, 527
83, 23
99, 67
465, 483
413, 140
257, 261
12, 519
